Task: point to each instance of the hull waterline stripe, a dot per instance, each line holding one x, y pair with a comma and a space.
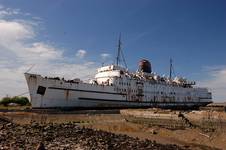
85, 91
151, 102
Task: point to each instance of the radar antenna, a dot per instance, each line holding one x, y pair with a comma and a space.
120, 53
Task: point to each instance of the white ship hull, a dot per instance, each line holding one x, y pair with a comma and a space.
58, 93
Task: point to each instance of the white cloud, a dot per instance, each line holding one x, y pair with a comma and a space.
19, 50
12, 31
40, 50
4, 12
105, 56
216, 81
67, 70
14, 39
81, 53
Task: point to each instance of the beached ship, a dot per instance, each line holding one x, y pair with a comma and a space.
114, 86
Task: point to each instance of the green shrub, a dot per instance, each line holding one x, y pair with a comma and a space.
5, 101
18, 100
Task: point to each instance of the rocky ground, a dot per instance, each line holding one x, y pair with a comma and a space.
69, 136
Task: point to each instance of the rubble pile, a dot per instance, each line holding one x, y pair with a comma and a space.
70, 136
4, 120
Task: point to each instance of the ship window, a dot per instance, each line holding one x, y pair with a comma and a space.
41, 90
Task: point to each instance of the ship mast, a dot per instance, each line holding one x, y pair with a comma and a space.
171, 67
120, 53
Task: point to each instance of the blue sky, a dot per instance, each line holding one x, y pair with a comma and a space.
78, 32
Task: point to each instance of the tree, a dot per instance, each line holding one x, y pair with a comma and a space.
18, 100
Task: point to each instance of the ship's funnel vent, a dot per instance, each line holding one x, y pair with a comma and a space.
145, 66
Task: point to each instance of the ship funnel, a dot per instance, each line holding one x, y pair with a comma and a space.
145, 66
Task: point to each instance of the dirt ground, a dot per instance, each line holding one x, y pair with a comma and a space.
115, 123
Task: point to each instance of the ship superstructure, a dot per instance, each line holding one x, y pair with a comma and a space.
115, 86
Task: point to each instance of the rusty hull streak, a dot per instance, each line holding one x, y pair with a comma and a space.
32, 77
66, 94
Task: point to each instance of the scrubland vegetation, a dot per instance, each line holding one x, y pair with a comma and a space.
22, 101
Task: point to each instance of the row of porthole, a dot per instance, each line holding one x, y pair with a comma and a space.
124, 83
124, 90
171, 93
